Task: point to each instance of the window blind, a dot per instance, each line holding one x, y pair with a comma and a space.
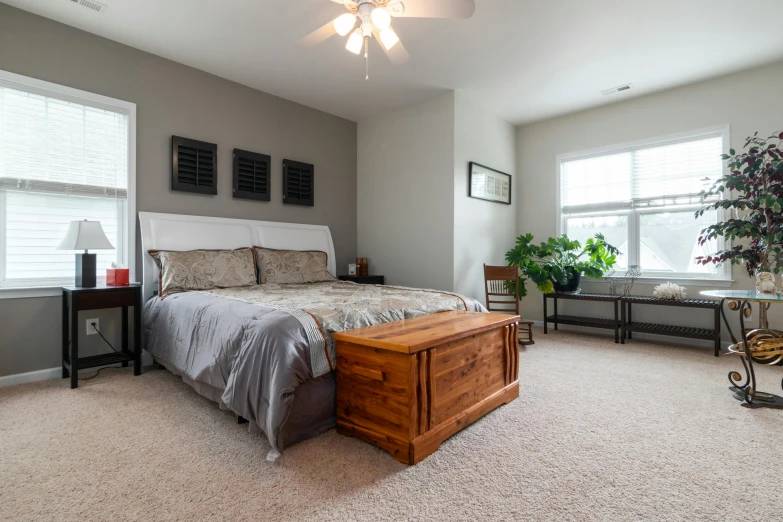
656, 176
53, 146
35, 225
602, 180
60, 161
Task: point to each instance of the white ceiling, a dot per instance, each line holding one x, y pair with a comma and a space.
524, 60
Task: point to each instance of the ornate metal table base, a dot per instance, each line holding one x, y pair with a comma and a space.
761, 346
759, 399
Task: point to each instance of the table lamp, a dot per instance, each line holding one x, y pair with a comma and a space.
85, 235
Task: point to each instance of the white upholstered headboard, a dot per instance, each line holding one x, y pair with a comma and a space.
180, 232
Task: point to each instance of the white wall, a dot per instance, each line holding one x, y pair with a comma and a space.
749, 101
416, 223
405, 211
483, 230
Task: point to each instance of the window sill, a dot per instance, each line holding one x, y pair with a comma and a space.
707, 283
23, 293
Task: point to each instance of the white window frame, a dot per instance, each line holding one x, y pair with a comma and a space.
126, 250
723, 278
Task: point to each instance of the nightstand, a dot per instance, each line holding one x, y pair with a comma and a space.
77, 299
363, 280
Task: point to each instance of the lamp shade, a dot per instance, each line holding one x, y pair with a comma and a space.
85, 235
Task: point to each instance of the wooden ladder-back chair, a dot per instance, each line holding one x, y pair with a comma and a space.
501, 299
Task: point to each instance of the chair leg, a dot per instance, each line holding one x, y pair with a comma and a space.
525, 335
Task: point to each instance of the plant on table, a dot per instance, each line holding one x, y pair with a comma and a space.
560, 262
752, 193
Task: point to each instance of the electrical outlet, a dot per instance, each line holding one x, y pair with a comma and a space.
90, 329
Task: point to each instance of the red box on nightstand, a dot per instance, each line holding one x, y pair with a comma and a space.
117, 276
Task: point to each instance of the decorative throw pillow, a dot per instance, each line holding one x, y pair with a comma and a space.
291, 266
203, 269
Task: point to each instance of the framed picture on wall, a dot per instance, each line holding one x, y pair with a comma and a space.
489, 184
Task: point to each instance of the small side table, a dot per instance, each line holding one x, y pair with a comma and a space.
363, 280
77, 299
762, 342
592, 322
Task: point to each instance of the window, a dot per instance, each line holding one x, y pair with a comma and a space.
64, 155
642, 197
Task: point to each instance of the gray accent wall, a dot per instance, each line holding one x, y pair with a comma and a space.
172, 98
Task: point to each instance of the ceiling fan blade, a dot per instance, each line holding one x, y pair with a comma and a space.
432, 8
321, 34
397, 54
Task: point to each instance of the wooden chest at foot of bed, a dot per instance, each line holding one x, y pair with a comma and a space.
409, 385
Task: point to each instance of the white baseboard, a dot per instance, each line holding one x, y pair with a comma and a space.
56, 373
39, 375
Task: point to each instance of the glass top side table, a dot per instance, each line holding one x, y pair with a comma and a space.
761, 345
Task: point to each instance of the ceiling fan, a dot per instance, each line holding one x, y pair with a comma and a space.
372, 18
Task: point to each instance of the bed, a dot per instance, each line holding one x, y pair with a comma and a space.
265, 352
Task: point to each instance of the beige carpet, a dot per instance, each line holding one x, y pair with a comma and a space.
601, 432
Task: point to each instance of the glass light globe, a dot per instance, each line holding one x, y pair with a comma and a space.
381, 18
355, 42
344, 23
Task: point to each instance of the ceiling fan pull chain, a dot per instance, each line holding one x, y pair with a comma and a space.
366, 59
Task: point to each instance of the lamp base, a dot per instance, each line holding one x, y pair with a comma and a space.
86, 266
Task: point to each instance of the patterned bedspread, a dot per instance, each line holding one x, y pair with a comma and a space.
335, 306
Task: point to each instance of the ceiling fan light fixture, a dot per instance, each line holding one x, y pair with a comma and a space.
389, 38
381, 18
344, 23
355, 42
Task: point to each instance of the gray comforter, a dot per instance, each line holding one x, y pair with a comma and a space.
248, 358
260, 350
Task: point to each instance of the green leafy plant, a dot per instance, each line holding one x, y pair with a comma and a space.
753, 192
559, 260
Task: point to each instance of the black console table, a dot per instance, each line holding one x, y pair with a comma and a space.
709, 334
624, 326
592, 322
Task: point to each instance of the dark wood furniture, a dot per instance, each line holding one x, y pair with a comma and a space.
193, 166
363, 280
77, 299
500, 298
592, 322
623, 324
709, 334
409, 385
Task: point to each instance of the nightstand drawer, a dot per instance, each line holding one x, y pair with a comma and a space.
96, 300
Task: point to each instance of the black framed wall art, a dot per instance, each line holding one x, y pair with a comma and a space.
193, 166
251, 175
489, 184
298, 183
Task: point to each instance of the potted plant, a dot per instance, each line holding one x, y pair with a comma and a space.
558, 264
752, 192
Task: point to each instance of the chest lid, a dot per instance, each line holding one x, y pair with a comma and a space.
421, 333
